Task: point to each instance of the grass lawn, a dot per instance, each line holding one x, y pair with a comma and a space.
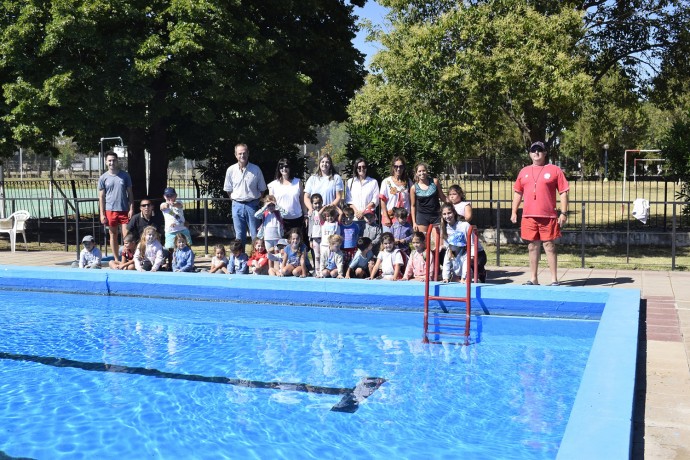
599, 257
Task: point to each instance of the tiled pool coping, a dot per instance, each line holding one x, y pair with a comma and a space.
600, 424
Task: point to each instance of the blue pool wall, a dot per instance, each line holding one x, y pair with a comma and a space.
354, 293
600, 424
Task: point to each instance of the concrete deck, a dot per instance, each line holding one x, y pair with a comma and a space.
662, 414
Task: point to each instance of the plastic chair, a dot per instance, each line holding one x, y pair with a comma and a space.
15, 223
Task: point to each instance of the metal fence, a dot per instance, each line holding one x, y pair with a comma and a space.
608, 214
62, 209
210, 222
607, 209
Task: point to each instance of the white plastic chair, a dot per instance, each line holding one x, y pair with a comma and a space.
14, 224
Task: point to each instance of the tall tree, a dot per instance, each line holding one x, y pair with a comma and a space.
534, 62
182, 77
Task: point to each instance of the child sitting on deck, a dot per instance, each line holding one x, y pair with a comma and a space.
363, 261
417, 266
295, 262
126, 255
149, 255
454, 237
183, 259
332, 259
90, 256
219, 262
237, 262
389, 261
258, 262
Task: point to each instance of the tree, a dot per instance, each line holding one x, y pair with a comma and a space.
188, 77
533, 62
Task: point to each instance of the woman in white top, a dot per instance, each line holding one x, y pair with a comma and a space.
362, 191
395, 192
287, 190
326, 183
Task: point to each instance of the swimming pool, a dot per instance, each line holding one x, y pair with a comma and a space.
103, 376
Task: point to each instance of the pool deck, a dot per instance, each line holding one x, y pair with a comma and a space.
662, 413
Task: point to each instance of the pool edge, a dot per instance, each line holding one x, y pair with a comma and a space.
601, 421
600, 424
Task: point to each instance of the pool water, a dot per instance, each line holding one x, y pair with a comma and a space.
120, 377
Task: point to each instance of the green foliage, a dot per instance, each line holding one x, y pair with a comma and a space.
188, 77
677, 152
570, 73
473, 74
334, 139
67, 151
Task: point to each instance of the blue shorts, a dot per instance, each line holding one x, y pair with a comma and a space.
170, 238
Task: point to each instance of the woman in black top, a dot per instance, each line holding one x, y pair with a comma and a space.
425, 197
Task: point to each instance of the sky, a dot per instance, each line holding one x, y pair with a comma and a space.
376, 14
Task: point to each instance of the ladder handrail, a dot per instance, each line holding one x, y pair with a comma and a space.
473, 254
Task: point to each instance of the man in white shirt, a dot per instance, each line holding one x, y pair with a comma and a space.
244, 184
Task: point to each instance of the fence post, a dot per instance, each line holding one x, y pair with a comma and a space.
206, 226
64, 203
78, 218
673, 238
2, 191
38, 222
665, 201
491, 196
582, 239
627, 233
197, 190
498, 233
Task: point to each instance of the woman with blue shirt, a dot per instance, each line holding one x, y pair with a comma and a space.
326, 183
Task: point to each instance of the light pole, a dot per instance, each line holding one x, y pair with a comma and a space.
606, 162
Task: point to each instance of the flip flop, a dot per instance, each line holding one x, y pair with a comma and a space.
555, 283
529, 283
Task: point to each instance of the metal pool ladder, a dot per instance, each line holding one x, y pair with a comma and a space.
451, 324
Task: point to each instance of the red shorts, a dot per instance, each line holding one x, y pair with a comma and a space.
539, 229
117, 217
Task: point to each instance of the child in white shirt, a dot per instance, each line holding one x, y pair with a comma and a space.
272, 228
314, 228
90, 256
149, 255
329, 225
219, 262
389, 260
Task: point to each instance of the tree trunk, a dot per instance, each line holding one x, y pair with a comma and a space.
158, 166
137, 162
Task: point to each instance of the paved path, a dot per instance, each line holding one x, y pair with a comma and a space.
662, 414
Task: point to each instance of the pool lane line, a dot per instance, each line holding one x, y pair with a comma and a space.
352, 397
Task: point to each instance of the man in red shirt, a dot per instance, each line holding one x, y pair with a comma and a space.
537, 185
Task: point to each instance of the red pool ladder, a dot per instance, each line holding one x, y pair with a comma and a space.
451, 322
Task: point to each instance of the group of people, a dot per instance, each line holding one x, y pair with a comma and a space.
142, 249
329, 227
